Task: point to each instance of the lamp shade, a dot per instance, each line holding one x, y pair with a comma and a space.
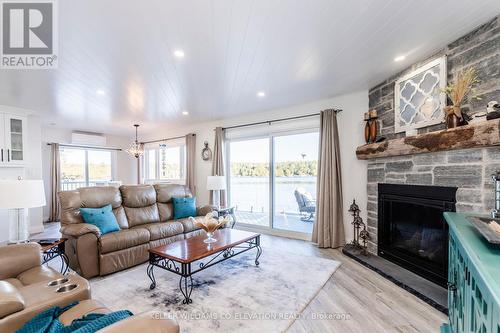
21, 194
215, 183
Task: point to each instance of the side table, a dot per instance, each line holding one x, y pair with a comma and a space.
54, 250
223, 211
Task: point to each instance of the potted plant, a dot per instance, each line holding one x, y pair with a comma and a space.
458, 92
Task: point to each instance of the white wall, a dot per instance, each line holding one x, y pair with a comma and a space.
351, 127
34, 168
125, 166
354, 174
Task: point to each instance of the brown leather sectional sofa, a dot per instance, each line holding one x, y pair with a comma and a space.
145, 216
23, 286
28, 288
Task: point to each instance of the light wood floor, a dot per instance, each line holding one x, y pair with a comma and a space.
354, 299
365, 301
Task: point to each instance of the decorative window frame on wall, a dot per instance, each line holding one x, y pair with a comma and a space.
437, 114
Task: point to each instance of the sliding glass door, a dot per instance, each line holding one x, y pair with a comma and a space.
249, 180
295, 168
272, 180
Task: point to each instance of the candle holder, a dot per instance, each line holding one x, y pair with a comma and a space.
359, 229
365, 236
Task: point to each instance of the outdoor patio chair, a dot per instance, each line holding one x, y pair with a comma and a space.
307, 205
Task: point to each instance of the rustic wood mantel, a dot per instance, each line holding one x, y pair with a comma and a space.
486, 133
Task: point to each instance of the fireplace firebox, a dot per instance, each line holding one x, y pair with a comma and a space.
412, 231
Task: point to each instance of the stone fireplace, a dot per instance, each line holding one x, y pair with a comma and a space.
468, 170
462, 180
461, 159
412, 231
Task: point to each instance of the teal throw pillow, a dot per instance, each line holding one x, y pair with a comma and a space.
184, 207
103, 218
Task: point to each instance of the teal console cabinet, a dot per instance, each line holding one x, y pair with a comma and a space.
473, 279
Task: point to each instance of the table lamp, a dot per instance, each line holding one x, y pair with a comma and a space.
17, 196
216, 184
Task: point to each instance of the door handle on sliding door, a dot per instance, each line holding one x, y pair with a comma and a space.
1, 158
8, 155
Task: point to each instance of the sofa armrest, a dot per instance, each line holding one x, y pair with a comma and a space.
79, 229
81, 248
15, 259
11, 300
152, 322
204, 210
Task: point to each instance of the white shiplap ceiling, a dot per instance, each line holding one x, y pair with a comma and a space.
116, 62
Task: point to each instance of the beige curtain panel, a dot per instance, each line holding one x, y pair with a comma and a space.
328, 231
218, 166
55, 183
190, 161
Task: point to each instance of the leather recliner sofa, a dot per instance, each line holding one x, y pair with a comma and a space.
27, 288
150, 322
24, 289
144, 214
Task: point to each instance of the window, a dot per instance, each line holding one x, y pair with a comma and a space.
165, 162
171, 162
249, 181
85, 167
272, 180
151, 162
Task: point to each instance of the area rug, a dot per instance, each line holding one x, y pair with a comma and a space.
233, 296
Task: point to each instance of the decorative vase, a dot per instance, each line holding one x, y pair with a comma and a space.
210, 224
210, 238
452, 120
367, 131
373, 130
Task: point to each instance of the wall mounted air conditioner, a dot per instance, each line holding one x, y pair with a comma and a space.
88, 139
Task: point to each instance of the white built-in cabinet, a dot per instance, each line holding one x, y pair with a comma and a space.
12, 140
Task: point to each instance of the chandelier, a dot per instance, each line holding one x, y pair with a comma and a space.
136, 149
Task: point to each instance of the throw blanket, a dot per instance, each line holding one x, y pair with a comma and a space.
48, 322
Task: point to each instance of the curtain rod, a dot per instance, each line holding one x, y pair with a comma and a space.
269, 122
83, 146
167, 139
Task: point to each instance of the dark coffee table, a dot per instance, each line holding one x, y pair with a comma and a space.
178, 257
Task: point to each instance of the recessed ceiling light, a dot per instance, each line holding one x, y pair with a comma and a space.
185, 113
179, 53
100, 92
400, 58
261, 94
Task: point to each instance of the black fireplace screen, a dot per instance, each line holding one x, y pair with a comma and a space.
412, 231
